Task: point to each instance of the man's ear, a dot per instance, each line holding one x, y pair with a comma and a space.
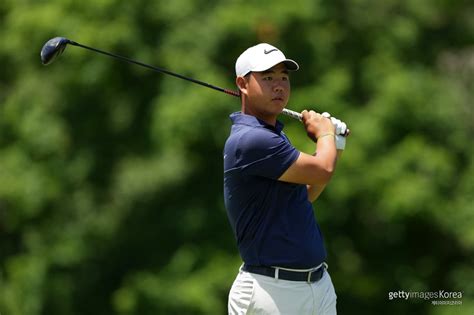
241, 84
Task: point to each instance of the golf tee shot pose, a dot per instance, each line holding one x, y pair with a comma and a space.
269, 187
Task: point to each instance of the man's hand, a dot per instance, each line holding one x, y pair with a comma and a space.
341, 127
341, 131
317, 169
317, 125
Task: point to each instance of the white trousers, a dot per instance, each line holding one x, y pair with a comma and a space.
262, 295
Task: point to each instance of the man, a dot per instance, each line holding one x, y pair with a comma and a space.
268, 190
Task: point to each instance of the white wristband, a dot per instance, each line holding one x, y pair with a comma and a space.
340, 142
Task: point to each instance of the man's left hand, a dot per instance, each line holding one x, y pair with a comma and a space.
340, 126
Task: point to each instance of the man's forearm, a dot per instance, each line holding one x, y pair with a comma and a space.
314, 191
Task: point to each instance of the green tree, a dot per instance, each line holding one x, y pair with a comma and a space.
111, 175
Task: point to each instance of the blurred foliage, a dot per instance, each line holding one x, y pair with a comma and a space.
111, 175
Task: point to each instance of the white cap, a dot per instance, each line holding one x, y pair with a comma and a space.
262, 57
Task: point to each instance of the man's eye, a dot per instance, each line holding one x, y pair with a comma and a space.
267, 78
285, 78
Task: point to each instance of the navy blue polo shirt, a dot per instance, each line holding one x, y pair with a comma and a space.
273, 221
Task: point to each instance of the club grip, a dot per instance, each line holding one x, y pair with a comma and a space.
292, 114
298, 116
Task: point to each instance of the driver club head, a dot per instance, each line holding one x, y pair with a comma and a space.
52, 49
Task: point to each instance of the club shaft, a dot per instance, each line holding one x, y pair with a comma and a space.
161, 70
287, 112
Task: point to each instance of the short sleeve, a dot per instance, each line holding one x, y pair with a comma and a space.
265, 153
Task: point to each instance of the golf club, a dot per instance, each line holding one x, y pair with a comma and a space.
54, 47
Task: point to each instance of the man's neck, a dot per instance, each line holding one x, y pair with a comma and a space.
269, 119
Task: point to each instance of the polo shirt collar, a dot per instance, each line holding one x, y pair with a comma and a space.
252, 121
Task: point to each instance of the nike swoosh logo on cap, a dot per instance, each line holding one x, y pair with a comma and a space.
266, 52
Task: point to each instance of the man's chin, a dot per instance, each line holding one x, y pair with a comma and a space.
278, 105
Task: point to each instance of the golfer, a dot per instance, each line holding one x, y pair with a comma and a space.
268, 189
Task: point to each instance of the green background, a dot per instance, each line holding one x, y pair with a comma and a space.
111, 175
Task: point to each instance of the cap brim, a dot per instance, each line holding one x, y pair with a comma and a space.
291, 65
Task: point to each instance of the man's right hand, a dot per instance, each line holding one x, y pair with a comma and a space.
317, 169
316, 125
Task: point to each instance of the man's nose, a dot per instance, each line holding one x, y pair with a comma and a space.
278, 86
